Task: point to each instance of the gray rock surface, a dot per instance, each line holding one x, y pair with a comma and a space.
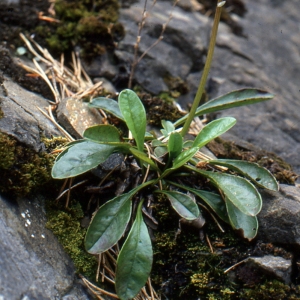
21, 117
180, 51
33, 264
267, 57
279, 220
75, 116
273, 265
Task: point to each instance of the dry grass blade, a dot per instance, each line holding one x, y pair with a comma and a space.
75, 84
141, 25
106, 268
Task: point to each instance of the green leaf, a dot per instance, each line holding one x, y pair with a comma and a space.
135, 260
184, 157
156, 143
180, 160
168, 127
80, 158
134, 114
183, 204
142, 156
175, 144
213, 130
149, 136
247, 225
188, 144
108, 105
230, 100
238, 190
214, 201
109, 224
259, 175
160, 151
102, 133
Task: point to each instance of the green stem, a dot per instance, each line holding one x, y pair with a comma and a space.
210, 53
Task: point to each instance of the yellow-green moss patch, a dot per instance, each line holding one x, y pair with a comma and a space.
22, 169
65, 224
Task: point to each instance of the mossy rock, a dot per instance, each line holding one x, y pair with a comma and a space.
65, 224
91, 25
22, 169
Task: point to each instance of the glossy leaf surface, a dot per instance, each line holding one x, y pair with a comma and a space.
183, 204
214, 201
134, 114
259, 175
230, 100
247, 225
213, 130
80, 158
135, 260
109, 224
102, 133
110, 221
108, 105
238, 190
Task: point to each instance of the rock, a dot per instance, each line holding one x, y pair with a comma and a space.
279, 219
33, 263
266, 59
21, 117
265, 56
177, 54
106, 85
75, 116
101, 66
272, 265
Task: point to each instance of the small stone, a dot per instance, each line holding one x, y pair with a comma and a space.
277, 266
75, 116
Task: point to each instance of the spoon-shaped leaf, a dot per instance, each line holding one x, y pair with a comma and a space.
168, 127
134, 114
238, 190
232, 99
213, 130
183, 204
102, 133
248, 225
259, 175
80, 158
108, 105
110, 222
175, 144
135, 260
214, 201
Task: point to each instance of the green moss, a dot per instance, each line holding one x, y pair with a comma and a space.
176, 85
90, 24
158, 109
65, 224
22, 169
271, 290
